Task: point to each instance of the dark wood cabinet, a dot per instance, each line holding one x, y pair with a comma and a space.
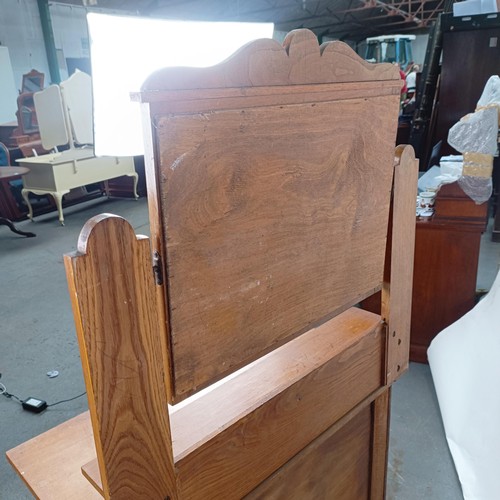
446, 261
447, 245
445, 267
471, 54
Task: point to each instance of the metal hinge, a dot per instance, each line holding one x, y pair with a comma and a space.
157, 269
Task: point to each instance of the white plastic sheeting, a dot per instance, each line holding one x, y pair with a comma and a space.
478, 133
464, 363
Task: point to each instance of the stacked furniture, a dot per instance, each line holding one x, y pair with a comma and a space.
471, 55
24, 133
225, 357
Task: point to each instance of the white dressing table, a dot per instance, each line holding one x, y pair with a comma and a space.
65, 118
57, 173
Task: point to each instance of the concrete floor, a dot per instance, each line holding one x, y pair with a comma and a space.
37, 335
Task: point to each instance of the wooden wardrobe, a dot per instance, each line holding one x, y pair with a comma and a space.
225, 357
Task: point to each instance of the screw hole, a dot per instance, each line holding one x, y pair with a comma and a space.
399, 341
393, 334
399, 367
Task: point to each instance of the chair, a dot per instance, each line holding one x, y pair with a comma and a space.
225, 357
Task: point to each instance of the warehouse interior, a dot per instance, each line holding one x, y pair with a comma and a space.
446, 53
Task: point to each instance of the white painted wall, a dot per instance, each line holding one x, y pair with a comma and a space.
69, 24
21, 32
8, 92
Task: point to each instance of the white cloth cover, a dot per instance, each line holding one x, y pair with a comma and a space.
464, 361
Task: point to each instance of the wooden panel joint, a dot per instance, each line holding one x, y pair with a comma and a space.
397, 288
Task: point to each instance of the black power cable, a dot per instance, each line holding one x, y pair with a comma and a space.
66, 400
4, 392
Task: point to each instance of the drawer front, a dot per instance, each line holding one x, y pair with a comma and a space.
69, 175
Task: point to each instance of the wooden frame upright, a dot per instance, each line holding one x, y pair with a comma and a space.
225, 358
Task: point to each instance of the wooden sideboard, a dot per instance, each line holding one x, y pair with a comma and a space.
446, 261
445, 268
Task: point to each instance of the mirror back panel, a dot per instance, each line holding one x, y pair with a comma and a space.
271, 205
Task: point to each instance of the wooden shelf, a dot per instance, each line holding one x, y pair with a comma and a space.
311, 360
50, 463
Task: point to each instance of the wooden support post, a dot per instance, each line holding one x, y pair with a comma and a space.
380, 444
116, 314
397, 291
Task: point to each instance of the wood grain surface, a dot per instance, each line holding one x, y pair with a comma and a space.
336, 465
452, 205
50, 463
269, 229
266, 62
444, 289
446, 263
269, 200
397, 293
380, 445
269, 184
265, 439
259, 417
114, 304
